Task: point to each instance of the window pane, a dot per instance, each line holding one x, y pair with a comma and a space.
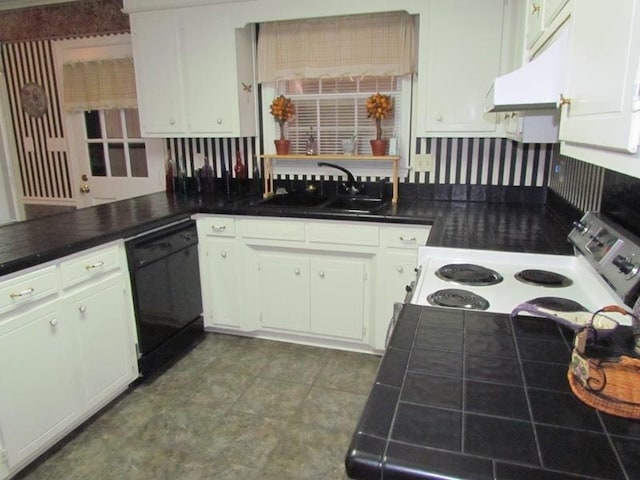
97, 161
138, 159
92, 122
113, 123
133, 123
117, 160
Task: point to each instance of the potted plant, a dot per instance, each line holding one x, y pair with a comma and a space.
282, 109
378, 107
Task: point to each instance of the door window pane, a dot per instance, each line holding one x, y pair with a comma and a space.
133, 123
138, 160
92, 121
117, 161
96, 158
113, 123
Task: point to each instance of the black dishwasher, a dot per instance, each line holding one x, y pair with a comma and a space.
165, 279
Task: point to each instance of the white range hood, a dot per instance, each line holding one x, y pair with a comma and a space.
536, 85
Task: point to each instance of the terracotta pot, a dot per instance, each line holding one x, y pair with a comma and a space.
282, 146
379, 147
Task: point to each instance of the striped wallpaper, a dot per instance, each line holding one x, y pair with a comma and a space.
579, 183
42, 155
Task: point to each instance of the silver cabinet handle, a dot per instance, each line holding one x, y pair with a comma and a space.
223, 254
220, 228
26, 291
407, 239
92, 266
399, 268
82, 308
53, 322
321, 274
297, 271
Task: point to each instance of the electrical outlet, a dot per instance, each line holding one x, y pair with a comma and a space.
423, 162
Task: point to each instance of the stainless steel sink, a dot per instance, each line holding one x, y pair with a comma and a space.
295, 200
356, 204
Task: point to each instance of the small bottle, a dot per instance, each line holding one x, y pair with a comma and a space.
240, 168
311, 146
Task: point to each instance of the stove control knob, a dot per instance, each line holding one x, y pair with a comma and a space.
626, 266
582, 228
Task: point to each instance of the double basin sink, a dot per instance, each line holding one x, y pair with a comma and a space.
337, 203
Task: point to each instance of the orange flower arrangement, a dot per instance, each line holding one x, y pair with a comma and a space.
378, 107
282, 109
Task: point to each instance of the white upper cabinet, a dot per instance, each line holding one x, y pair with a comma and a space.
542, 18
460, 56
602, 76
194, 73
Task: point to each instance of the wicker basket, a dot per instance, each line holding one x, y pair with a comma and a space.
611, 386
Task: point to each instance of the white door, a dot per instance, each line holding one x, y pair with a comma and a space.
110, 159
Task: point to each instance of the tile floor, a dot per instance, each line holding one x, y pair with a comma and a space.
233, 408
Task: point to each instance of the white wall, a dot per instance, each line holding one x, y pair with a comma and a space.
11, 208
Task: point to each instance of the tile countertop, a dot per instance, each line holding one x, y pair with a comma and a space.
514, 227
474, 395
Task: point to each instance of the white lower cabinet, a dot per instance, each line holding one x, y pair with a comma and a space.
38, 400
63, 355
325, 282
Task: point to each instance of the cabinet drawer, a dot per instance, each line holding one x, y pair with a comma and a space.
89, 266
343, 234
409, 237
273, 229
28, 288
217, 226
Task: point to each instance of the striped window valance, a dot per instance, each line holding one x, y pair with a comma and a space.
99, 85
380, 44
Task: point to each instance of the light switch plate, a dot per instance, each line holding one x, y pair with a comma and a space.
423, 162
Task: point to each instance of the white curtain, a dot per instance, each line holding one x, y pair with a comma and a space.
99, 85
337, 47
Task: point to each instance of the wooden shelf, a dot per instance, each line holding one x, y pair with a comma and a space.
271, 158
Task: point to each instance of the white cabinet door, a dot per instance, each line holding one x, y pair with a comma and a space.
208, 58
602, 76
460, 55
284, 290
38, 399
535, 21
220, 288
338, 297
103, 344
156, 41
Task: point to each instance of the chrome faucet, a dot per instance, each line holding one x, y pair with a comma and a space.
352, 188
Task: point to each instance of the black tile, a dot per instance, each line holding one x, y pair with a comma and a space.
392, 368
459, 192
410, 312
492, 399
444, 318
538, 328
378, 412
507, 471
500, 438
538, 350
562, 409
489, 323
407, 461
578, 452
493, 369
403, 334
629, 451
550, 376
438, 362
495, 345
364, 457
621, 426
428, 427
432, 390
436, 338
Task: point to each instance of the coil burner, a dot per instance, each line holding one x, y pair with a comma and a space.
468, 274
557, 304
457, 298
543, 278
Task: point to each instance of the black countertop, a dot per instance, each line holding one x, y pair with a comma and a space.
475, 395
501, 226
